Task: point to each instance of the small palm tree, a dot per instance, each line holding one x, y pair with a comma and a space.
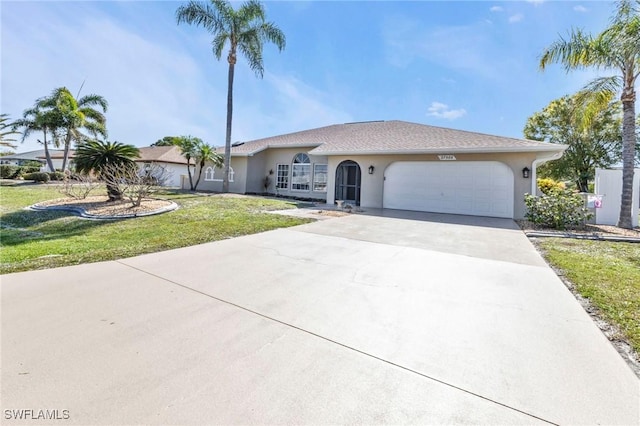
6, 130
46, 121
96, 156
188, 145
76, 115
617, 47
244, 29
205, 153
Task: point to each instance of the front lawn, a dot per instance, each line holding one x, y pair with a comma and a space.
46, 239
607, 273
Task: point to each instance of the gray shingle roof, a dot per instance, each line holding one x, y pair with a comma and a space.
392, 137
165, 154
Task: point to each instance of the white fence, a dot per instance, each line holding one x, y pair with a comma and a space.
609, 186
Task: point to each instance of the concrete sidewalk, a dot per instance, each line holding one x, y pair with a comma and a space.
358, 319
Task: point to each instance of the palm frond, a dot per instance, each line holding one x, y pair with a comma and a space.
93, 100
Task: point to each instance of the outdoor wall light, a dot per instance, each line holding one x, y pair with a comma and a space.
371, 169
525, 172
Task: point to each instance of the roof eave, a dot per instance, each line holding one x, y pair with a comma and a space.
554, 148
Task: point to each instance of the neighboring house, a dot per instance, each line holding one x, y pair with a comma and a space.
391, 164
169, 158
57, 155
37, 155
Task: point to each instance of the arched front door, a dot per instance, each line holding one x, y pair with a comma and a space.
348, 178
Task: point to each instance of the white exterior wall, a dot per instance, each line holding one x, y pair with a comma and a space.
372, 186
609, 185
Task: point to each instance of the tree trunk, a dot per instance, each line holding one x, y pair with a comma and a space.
189, 173
113, 193
199, 175
628, 156
67, 143
227, 142
47, 154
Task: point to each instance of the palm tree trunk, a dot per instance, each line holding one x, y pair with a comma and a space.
189, 173
199, 175
227, 142
628, 156
67, 143
47, 155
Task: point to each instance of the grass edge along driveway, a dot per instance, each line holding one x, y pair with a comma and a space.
607, 273
32, 240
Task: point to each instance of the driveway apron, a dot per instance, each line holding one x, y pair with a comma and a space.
389, 317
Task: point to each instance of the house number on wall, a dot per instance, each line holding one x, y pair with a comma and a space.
447, 157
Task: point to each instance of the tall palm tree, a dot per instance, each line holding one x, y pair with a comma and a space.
6, 130
77, 114
188, 145
205, 153
244, 29
46, 121
96, 156
617, 47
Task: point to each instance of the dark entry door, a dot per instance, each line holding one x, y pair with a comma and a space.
348, 182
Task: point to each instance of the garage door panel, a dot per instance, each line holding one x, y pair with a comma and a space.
482, 188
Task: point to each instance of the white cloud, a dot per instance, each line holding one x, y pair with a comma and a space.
536, 2
288, 105
456, 47
496, 9
440, 110
516, 18
154, 87
580, 8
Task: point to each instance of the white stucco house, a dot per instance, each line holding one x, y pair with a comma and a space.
167, 157
38, 155
391, 164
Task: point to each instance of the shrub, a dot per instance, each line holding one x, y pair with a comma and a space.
549, 186
8, 171
37, 177
78, 186
558, 210
56, 176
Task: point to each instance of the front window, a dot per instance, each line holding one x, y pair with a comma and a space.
320, 177
282, 176
301, 173
209, 174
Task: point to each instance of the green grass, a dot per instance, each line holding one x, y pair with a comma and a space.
607, 273
45, 239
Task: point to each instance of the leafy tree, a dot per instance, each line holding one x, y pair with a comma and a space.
244, 29
38, 119
617, 47
6, 130
167, 141
188, 145
205, 153
96, 156
75, 115
593, 142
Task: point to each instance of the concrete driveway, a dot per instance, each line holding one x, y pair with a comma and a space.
393, 318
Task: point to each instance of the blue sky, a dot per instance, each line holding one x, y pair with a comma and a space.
464, 65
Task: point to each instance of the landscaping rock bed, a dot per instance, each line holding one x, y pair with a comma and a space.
99, 207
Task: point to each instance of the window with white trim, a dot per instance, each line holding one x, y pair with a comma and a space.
282, 176
320, 177
301, 173
209, 173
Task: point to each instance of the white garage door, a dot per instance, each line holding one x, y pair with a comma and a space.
477, 188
